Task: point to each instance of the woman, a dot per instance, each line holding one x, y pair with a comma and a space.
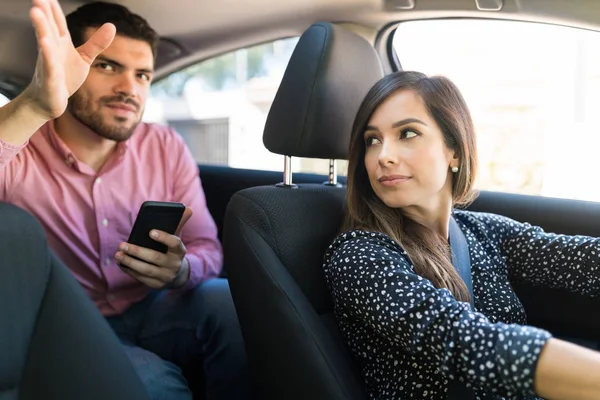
401, 304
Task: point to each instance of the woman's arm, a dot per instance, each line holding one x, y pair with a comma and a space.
372, 280
567, 371
532, 255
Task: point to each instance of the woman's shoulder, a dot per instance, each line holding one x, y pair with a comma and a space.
493, 229
360, 237
365, 244
475, 220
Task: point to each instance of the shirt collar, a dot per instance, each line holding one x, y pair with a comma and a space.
69, 158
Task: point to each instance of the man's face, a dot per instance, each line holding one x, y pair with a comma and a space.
112, 99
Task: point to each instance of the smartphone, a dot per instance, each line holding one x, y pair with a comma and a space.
160, 215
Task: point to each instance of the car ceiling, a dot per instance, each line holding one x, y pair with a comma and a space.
193, 30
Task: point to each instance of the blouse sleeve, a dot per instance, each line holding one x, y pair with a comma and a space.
373, 280
548, 259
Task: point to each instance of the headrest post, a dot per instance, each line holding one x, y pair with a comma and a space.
287, 170
332, 181
287, 174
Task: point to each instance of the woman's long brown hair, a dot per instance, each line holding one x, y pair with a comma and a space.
428, 251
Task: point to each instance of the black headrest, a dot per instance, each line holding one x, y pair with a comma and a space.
329, 74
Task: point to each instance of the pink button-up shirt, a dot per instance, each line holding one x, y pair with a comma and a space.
87, 214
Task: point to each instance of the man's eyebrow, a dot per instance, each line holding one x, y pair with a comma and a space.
119, 65
109, 61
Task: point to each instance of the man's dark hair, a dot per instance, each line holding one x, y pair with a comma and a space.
94, 15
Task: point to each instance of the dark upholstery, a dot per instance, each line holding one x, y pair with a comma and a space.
294, 347
220, 183
275, 237
54, 344
329, 73
570, 217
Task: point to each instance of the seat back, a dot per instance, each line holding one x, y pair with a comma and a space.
275, 237
54, 344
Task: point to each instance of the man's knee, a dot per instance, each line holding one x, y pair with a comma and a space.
162, 379
18, 224
213, 298
23, 250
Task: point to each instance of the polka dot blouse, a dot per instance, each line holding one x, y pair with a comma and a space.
410, 338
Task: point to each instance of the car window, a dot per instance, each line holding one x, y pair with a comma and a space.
220, 106
534, 94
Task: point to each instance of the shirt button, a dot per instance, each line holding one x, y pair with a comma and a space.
69, 160
107, 261
105, 222
98, 181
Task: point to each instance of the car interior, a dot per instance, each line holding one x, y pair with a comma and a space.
276, 222
52, 333
277, 235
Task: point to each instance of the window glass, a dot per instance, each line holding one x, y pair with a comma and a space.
3, 99
534, 94
220, 106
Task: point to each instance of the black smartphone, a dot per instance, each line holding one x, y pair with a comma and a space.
161, 215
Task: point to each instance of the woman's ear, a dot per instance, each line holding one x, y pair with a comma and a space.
452, 155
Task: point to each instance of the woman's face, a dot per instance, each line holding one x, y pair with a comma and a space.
407, 161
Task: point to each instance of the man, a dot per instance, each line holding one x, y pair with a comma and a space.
74, 153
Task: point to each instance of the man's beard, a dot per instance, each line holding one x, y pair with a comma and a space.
81, 108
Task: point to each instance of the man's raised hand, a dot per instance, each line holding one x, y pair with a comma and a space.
61, 68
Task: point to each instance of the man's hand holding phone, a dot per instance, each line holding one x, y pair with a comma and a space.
151, 266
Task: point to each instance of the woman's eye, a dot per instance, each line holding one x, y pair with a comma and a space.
371, 141
407, 134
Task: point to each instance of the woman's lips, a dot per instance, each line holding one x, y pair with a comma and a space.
391, 180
